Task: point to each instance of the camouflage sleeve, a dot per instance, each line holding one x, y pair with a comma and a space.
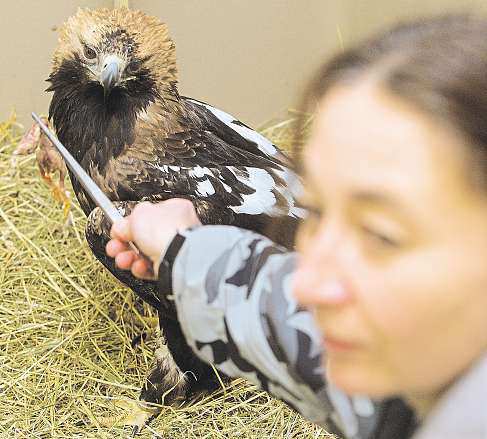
232, 291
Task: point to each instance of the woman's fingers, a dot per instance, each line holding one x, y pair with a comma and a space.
142, 268
151, 227
124, 260
114, 247
127, 259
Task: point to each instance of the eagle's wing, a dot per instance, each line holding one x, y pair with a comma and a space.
236, 132
207, 160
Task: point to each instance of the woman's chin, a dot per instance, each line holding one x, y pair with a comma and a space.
354, 379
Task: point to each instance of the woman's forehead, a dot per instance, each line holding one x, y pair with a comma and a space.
365, 138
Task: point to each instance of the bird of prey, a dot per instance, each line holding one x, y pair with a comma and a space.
116, 107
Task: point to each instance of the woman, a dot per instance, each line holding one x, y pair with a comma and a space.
391, 277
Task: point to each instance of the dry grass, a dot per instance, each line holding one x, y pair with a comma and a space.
66, 328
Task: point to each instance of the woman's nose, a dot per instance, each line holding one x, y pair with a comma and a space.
319, 278
312, 288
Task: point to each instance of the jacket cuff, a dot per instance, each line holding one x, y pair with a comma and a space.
167, 262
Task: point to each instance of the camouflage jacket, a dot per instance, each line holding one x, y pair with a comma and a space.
232, 291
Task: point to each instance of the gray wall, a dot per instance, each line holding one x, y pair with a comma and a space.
249, 57
28, 35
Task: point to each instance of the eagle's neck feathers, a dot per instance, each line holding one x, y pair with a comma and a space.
84, 119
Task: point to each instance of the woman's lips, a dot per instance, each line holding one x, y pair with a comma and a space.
339, 345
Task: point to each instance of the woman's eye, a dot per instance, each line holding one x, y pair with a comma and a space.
380, 238
89, 53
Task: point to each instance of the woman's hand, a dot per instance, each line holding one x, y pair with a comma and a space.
151, 227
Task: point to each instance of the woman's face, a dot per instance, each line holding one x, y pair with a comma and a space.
394, 252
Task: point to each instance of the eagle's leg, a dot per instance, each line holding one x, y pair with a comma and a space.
165, 381
176, 373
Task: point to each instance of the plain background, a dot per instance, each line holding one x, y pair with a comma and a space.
251, 58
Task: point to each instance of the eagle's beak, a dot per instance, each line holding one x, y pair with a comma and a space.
110, 75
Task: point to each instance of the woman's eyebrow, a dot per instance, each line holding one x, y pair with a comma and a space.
382, 199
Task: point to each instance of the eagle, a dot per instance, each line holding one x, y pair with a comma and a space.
116, 107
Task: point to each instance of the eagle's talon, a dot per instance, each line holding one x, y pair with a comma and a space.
137, 415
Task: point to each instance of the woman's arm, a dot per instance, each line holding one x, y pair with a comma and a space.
233, 295
232, 291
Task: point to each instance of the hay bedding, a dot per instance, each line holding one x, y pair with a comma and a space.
66, 326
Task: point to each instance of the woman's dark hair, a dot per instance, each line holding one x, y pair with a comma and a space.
438, 63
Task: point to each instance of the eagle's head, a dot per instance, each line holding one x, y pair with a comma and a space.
109, 65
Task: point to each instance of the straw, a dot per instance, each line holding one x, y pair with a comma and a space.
66, 326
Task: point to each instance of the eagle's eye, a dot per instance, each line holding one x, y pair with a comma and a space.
89, 53
133, 67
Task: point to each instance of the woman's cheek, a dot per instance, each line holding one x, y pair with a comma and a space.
396, 300
380, 304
